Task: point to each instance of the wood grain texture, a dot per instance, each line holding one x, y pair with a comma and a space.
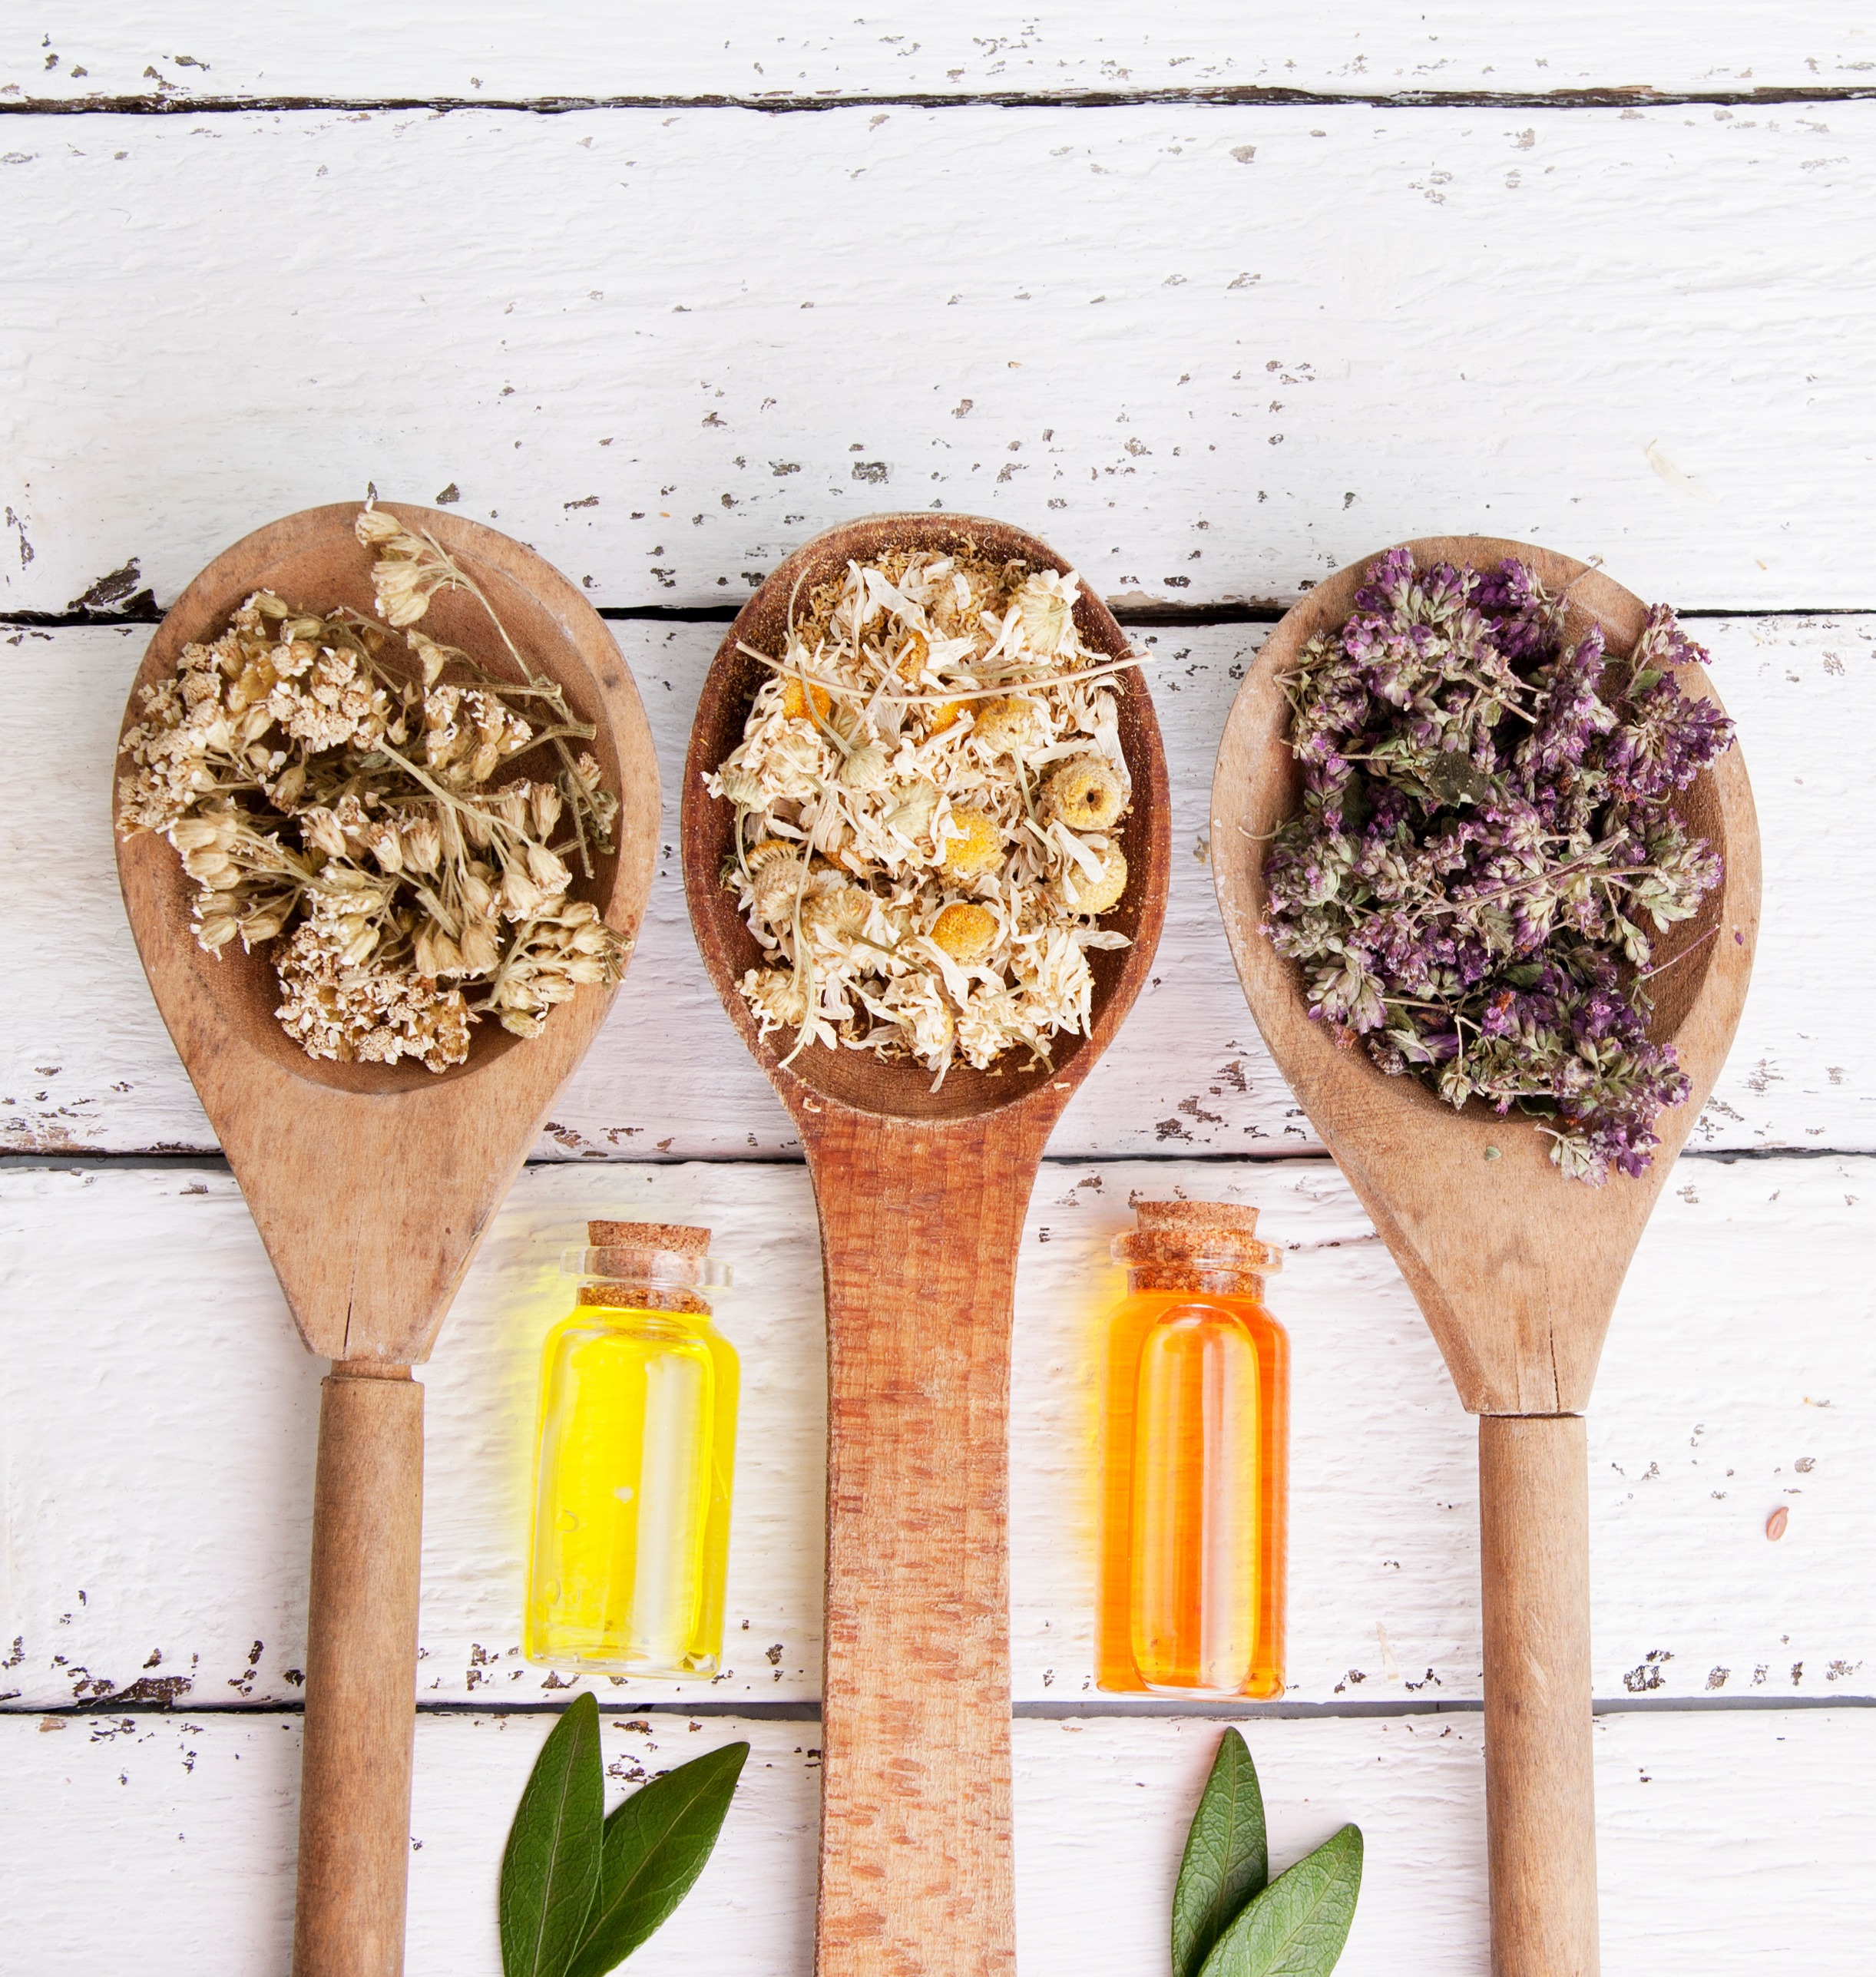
919, 1233
148, 1357
85, 1065
194, 49
196, 1815
361, 1675
1540, 1767
921, 1186
369, 1263
1515, 1269
1228, 327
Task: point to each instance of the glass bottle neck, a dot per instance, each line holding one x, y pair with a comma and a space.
1202, 1279
613, 1297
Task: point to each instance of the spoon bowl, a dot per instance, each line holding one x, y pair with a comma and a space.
371, 1184
858, 1079
921, 1196
1515, 1268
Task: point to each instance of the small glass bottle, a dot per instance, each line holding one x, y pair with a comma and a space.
1195, 1460
637, 1447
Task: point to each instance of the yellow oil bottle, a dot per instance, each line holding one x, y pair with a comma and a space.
637, 1449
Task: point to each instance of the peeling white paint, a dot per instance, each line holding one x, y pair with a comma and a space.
196, 1819
894, 49
1378, 310
159, 1417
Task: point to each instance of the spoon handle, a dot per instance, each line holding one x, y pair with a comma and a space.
920, 1226
1539, 1790
361, 1675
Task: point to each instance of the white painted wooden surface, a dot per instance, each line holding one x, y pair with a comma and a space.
1739, 1378
195, 48
1214, 351
1732, 1845
85, 1065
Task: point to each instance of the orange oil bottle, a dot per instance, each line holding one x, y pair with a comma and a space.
1195, 1460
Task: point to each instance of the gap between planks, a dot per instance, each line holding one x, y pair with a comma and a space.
1143, 1708
1155, 615
1249, 96
82, 1163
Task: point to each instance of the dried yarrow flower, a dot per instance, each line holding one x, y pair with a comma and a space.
1487, 847
327, 789
917, 889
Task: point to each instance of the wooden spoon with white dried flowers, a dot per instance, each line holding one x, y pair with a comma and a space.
927, 838
929, 793
343, 841
328, 786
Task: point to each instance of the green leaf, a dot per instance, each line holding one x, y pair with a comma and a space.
1297, 1926
1225, 1862
656, 1845
550, 1870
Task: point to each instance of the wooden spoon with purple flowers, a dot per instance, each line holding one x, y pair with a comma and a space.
1515, 1265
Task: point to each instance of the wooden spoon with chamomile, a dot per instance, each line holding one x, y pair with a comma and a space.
922, 1195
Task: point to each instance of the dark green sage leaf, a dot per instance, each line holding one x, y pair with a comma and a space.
551, 1871
656, 1845
1298, 1926
1226, 1862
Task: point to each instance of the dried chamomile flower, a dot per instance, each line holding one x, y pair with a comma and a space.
973, 845
778, 888
1487, 848
966, 931
835, 913
1085, 794
868, 768
798, 697
1083, 891
1005, 726
913, 891
330, 788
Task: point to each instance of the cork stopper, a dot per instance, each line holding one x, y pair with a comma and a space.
670, 1235
1196, 1246
646, 1266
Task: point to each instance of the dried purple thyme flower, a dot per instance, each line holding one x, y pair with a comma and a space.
1486, 843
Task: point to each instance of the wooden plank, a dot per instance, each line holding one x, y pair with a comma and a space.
195, 1817
159, 1439
85, 1066
193, 48
1238, 346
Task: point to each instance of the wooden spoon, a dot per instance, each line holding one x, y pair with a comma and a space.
371, 1185
1516, 1268
921, 1196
